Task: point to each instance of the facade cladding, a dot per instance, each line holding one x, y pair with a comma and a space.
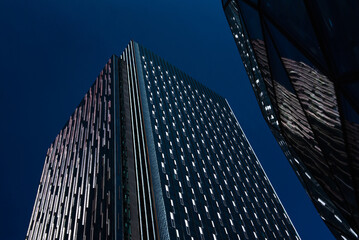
302, 60
151, 153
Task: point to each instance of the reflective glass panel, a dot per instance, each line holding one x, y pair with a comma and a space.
292, 19
337, 26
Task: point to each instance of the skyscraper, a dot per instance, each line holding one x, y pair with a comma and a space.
150, 153
302, 60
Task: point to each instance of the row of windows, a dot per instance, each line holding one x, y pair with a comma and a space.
209, 173
303, 86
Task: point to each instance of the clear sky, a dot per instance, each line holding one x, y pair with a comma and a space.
52, 51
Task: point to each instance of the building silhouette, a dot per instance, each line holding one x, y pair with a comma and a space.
302, 61
150, 153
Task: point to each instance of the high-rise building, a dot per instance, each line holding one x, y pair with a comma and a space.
150, 153
302, 59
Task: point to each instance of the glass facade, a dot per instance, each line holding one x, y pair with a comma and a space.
159, 156
300, 57
75, 198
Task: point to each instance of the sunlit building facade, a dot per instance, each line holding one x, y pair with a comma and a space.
302, 59
150, 153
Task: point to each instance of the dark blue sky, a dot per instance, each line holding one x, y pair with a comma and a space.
52, 51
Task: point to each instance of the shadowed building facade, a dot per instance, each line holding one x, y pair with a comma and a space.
150, 153
302, 59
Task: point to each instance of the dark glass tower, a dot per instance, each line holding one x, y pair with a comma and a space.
302, 58
151, 153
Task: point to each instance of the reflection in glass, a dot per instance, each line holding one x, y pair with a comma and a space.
306, 88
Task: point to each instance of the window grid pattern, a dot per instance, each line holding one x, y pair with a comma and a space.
75, 194
302, 104
212, 183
